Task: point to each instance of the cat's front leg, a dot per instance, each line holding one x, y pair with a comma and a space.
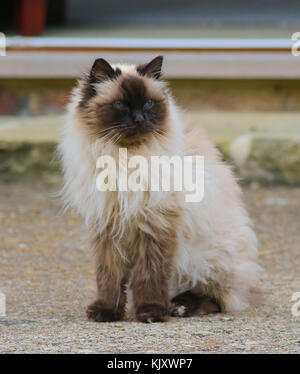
150, 278
111, 284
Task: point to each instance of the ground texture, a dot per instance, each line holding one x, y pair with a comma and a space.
47, 276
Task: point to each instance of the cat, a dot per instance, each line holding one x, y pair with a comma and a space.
175, 258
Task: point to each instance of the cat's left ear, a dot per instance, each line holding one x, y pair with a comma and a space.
152, 69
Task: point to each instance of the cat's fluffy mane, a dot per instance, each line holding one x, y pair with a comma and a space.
79, 152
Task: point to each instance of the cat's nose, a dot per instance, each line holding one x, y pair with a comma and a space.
138, 117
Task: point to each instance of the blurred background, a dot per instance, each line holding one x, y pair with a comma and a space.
230, 66
228, 62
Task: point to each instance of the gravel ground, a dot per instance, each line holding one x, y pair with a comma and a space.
47, 275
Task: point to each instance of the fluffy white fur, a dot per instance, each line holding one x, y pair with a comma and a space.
217, 247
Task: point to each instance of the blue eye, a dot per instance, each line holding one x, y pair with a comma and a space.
118, 104
148, 104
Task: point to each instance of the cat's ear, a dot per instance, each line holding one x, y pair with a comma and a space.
152, 69
101, 71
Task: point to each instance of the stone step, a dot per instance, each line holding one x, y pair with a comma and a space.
263, 146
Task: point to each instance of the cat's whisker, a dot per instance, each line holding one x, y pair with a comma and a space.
117, 139
107, 129
160, 136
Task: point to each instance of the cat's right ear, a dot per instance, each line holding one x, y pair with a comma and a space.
101, 71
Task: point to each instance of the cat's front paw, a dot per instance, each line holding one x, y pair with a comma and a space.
96, 312
152, 313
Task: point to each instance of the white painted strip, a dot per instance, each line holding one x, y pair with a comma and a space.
42, 42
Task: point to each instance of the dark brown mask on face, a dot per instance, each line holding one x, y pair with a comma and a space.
135, 111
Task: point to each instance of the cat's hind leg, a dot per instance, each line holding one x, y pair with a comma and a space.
188, 304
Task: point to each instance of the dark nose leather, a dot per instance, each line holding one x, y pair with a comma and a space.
138, 117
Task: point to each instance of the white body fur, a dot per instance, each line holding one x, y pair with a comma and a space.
217, 247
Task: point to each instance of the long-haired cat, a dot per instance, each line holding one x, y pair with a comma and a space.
174, 257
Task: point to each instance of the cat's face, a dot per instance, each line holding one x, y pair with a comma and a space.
126, 106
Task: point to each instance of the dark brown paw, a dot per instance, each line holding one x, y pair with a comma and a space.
152, 313
188, 304
96, 312
208, 305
